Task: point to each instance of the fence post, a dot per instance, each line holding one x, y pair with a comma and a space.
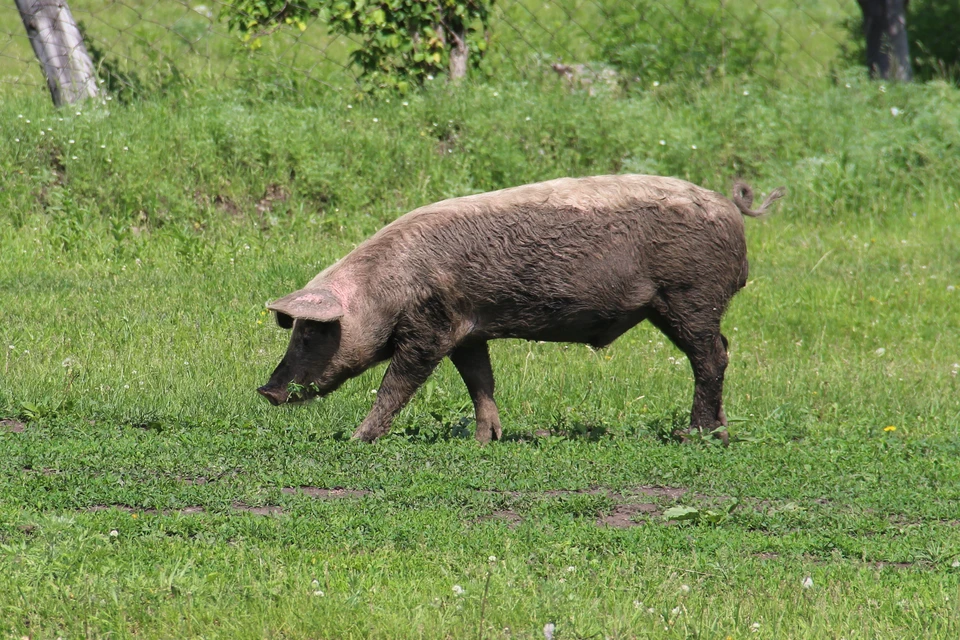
59, 47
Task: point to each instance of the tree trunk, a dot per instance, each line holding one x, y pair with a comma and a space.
459, 55
60, 50
885, 27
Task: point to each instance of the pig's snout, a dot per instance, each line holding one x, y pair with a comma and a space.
275, 395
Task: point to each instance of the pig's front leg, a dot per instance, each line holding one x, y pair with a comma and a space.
473, 362
409, 368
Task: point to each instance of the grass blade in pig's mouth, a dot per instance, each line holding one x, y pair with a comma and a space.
297, 393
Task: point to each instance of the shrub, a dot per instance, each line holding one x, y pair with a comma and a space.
402, 42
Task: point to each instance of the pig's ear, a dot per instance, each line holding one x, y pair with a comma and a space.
309, 304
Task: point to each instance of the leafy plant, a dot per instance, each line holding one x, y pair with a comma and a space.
692, 515
403, 42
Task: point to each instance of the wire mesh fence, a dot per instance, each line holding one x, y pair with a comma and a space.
145, 45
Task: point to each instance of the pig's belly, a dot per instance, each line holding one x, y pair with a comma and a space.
597, 328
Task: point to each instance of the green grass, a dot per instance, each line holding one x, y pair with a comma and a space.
132, 284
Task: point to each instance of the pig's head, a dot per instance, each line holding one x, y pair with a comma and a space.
316, 361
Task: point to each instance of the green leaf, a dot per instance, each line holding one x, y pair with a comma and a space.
681, 513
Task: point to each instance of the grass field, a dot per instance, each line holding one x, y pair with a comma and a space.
146, 490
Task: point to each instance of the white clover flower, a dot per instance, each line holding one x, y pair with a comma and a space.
114, 533
807, 583
656, 83
694, 147
78, 113
492, 559
405, 103
69, 141
527, 118
637, 604
319, 593
685, 588
880, 351
745, 92
376, 119
458, 590
663, 142
548, 630
571, 569
955, 564
894, 111
755, 627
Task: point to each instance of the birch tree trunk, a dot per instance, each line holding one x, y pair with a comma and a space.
59, 47
459, 55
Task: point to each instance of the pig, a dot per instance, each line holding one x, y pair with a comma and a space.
567, 260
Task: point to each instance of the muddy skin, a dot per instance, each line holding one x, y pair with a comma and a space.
569, 260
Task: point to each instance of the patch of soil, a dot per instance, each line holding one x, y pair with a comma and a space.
225, 204
622, 516
12, 426
45, 471
266, 510
511, 518
652, 491
320, 492
767, 555
892, 565
186, 511
274, 193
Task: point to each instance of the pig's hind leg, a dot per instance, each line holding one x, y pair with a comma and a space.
696, 331
472, 360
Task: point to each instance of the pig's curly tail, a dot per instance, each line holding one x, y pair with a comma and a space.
743, 198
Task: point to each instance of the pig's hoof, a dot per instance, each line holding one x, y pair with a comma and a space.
693, 435
489, 432
364, 435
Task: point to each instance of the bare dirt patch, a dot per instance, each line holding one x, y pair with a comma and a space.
12, 426
186, 511
275, 193
651, 491
511, 518
625, 516
320, 492
265, 510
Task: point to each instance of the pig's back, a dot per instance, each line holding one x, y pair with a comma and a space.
559, 260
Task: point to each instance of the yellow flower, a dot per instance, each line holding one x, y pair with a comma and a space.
890, 428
